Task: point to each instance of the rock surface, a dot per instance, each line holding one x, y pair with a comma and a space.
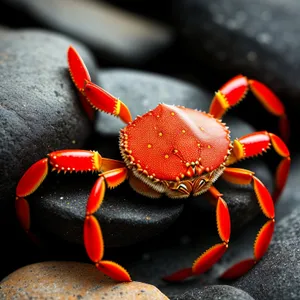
40, 111
256, 38
71, 280
115, 35
215, 292
126, 217
290, 199
277, 275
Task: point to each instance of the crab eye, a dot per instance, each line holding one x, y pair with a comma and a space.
182, 187
202, 183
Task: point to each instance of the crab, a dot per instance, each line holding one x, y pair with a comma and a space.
173, 151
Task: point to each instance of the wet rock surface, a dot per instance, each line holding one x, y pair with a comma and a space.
290, 199
215, 292
256, 38
126, 217
277, 275
71, 280
114, 34
40, 111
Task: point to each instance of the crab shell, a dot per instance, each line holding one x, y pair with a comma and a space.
176, 150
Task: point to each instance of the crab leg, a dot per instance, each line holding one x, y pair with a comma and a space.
114, 172
234, 91
64, 160
92, 96
205, 261
257, 143
93, 239
264, 236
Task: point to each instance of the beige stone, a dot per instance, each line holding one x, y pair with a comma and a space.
71, 280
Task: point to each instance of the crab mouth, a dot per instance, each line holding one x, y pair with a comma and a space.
183, 188
194, 186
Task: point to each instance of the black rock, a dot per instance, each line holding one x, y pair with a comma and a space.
256, 38
277, 275
290, 199
215, 292
125, 216
114, 34
40, 110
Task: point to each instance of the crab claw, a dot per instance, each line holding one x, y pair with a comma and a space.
78, 71
94, 97
104, 101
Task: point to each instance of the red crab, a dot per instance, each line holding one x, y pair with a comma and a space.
173, 151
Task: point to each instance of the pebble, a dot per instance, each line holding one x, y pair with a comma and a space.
215, 292
277, 275
71, 280
40, 110
115, 35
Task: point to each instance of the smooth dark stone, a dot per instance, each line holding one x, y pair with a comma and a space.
114, 34
125, 216
277, 275
215, 292
290, 199
4, 29
256, 38
40, 110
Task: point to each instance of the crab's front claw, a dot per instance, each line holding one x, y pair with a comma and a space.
104, 101
92, 96
78, 71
